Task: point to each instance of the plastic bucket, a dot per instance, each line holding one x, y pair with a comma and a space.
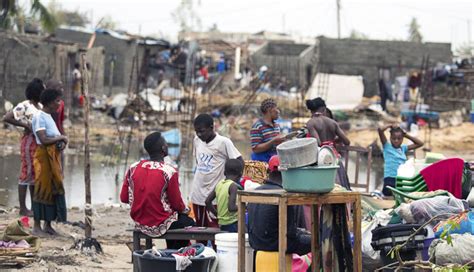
143, 263
227, 252
310, 179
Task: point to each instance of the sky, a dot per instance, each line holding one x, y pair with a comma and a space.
441, 21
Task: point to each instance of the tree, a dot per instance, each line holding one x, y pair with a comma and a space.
414, 34
186, 16
357, 35
66, 17
109, 23
465, 50
13, 14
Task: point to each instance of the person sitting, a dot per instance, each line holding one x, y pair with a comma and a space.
151, 187
394, 153
226, 194
263, 220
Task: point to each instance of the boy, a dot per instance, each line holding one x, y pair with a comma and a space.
394, 153
226, 193
211, 151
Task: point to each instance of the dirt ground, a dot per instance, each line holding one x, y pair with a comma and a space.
58, 253
452, 141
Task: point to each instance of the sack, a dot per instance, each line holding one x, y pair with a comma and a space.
460, 252
425, 209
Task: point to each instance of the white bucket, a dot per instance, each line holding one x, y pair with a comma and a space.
227, 252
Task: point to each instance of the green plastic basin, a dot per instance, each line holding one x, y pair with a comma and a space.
309, 179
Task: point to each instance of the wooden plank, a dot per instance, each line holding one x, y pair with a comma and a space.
282, 229
322, 200
241, 234
369, 167
357, 168
268, 199
315, 246
357, 220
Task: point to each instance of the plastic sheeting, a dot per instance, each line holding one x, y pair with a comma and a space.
460, 252
341, 92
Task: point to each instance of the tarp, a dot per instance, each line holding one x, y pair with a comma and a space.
341, 92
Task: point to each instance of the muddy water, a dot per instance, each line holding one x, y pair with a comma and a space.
105, 188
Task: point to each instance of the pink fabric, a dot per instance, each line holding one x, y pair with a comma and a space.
445, 175
301, 263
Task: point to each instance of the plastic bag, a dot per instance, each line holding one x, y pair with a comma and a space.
460, 252
424, 209
465, 221
371, 258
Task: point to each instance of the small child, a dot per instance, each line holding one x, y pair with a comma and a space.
226, 194
394, 153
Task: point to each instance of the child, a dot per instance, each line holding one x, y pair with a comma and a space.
394, 153
211, 151
226, 194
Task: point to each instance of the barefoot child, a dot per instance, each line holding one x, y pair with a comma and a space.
394, 153
226, 194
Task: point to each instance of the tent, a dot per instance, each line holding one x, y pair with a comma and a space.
341, 92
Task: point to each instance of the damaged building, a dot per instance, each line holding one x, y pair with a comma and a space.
370, 58
24, 57
120, 52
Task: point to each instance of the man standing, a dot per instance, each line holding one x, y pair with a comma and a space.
151, 187
211, 151
265, 133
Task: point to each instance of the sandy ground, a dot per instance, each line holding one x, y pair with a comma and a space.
452, 141
58, 253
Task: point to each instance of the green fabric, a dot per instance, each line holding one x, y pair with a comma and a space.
57, 211
15, 232
224, 216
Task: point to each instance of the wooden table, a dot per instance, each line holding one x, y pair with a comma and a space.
284, 199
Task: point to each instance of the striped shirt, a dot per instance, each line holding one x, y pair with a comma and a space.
262, 132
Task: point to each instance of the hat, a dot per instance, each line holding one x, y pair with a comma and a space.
273, 163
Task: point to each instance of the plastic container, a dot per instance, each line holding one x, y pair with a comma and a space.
310, 179
168, 264
227, 252
298, 152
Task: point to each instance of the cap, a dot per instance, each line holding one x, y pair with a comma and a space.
273, 163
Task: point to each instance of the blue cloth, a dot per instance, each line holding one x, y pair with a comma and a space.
44, 121
263, 156
221, 66
394, 157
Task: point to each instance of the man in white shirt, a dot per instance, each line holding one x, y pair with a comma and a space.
211, 151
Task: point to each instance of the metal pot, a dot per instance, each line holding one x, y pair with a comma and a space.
298, 153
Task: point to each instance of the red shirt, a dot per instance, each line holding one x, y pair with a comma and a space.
58, 117
152, 190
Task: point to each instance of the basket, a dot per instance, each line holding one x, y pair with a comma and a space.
256, 171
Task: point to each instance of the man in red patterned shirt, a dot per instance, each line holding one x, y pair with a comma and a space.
151, 187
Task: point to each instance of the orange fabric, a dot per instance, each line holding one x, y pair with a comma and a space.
48, 174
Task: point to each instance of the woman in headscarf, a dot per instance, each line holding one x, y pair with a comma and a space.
48, 200
21, 116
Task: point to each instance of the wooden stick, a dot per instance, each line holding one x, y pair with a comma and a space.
87, 164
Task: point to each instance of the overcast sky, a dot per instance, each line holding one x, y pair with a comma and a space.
441, 21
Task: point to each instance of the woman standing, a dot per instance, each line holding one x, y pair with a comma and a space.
21, 116
48, 201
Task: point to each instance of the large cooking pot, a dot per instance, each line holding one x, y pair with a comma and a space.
298, 153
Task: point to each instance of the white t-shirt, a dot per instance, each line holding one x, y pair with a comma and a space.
210, 163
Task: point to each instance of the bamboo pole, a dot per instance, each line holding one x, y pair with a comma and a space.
87, 165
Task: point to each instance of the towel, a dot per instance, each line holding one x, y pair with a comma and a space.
445, 175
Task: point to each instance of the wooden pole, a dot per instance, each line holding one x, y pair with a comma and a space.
87, 165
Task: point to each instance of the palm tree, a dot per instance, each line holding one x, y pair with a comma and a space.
12, 14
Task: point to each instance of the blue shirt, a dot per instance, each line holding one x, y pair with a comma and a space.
394, 157
44, 121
